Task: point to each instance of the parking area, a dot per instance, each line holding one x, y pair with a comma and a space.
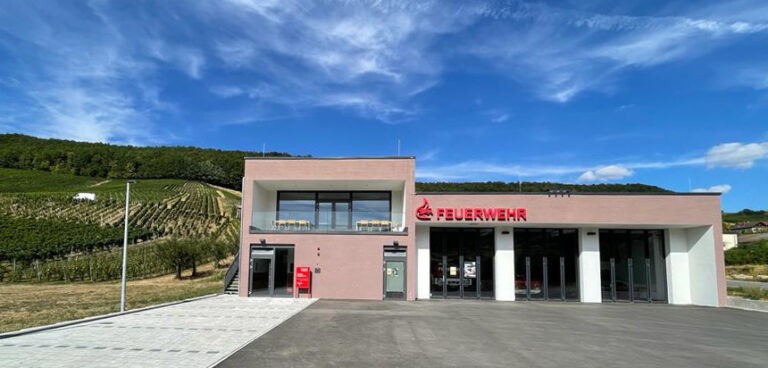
192, 334
504, 334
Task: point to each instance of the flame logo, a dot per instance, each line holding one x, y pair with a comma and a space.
424, 212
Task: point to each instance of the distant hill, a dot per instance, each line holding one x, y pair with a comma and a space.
497, 186
746, 215
224, 168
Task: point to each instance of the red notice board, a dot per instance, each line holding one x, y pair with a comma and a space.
302, 280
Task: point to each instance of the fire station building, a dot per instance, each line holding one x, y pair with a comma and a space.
363, 232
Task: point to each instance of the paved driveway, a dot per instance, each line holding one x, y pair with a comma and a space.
193, 334
503, 334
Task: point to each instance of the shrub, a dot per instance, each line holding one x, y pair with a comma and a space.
748, 254
755, 293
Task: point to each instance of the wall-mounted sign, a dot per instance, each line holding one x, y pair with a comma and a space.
425, 213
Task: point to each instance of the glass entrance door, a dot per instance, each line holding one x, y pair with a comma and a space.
394, 273
261, 272
271, 272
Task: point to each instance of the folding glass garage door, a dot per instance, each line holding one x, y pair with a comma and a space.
632, 266
461, 263
546, 264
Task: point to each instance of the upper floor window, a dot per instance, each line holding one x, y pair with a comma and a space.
337, 211
296, 206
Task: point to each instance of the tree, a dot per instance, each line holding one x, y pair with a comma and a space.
175, 254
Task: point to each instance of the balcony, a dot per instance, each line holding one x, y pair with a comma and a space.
327, 222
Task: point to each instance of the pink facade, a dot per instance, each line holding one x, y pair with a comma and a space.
350, 261
350, 264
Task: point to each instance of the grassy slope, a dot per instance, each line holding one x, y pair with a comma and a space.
26, 305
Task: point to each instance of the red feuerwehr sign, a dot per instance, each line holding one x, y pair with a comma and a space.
425, 213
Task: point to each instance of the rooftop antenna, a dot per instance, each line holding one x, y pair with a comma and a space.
263, 149
398, 147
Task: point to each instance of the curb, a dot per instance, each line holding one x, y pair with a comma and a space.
747, 304
31, 330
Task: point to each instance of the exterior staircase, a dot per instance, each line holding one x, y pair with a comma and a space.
233, 286
232, 278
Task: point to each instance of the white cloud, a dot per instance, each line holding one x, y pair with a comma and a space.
605, 173
736, 155
722, 188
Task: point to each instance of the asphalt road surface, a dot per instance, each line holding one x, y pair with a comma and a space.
736, 283
510, 334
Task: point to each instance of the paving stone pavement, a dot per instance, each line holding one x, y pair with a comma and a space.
198, 333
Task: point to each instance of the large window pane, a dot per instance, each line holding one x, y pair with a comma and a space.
337, 211
370, 206
296, 206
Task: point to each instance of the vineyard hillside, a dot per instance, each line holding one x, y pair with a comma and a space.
40, 219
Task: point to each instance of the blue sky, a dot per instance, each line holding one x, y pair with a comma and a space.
671, 93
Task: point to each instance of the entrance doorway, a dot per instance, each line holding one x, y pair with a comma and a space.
271, 271
394, 273
632, 266
546, 262
461, 263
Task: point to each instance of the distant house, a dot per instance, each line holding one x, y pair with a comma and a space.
752, 227
85, 197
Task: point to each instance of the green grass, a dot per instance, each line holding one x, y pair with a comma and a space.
753, 293
24, 305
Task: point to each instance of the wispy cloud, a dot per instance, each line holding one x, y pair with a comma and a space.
498, 116
370, 58
729, 155
100, 70
560, 53
76, 85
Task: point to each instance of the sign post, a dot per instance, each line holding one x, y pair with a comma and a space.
302, 279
